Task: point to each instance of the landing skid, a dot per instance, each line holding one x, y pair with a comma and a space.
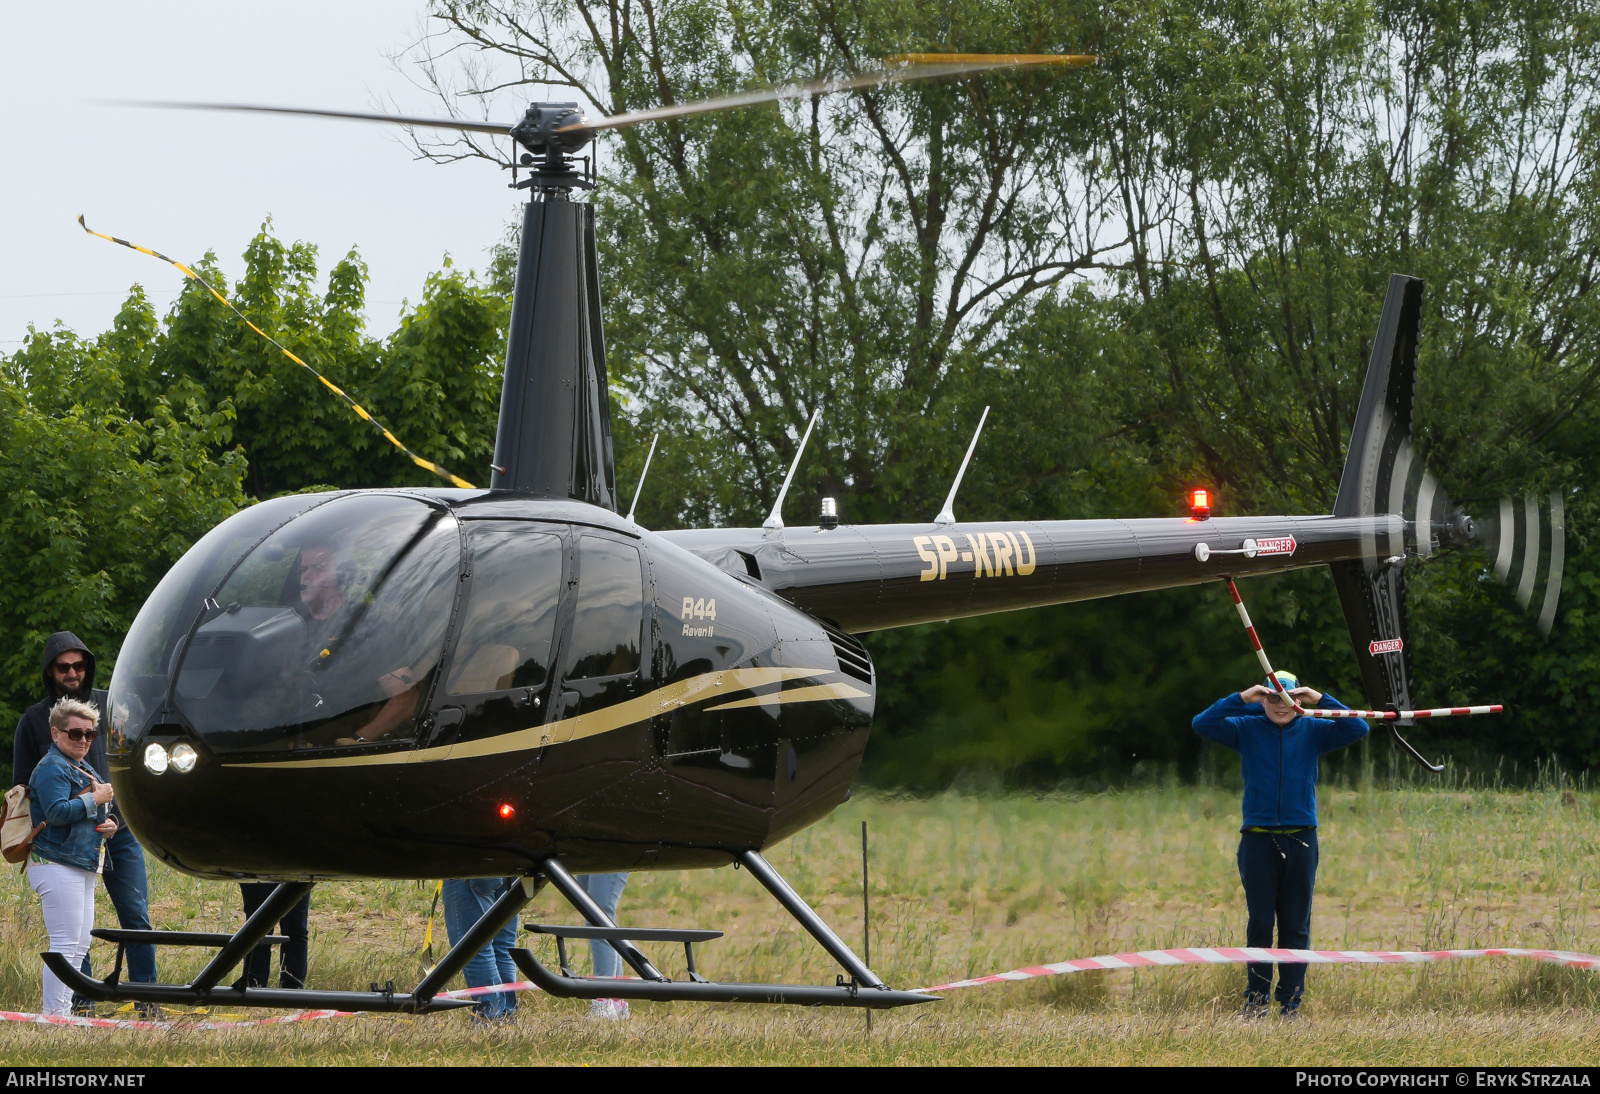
862, 989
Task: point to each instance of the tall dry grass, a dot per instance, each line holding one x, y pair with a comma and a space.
968, 884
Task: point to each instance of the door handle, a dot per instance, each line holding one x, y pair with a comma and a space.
570, 702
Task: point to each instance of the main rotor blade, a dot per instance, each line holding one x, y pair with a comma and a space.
914, 66
349, 115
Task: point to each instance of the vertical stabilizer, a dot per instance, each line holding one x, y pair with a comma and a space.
1377, 468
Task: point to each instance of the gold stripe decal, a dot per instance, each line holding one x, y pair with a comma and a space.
626, 713
815, 693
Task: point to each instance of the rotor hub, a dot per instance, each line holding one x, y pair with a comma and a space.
551, 132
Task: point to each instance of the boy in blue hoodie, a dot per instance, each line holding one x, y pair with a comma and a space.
1278, 756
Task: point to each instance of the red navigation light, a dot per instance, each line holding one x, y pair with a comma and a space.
1199, 504
506, 811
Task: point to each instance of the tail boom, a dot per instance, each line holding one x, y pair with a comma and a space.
873, 577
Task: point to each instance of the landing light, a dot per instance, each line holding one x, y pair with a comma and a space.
184, 757
155, 758
1199, 504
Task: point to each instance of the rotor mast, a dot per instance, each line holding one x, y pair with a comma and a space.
554, 434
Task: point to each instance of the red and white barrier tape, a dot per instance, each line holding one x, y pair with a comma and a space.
1142, 959
1261, 655
1240, 955
134, 1023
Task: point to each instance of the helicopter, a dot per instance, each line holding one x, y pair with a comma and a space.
521, 681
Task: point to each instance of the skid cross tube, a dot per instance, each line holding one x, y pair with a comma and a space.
568, 886
810, 920
863, 990
256, 928
501, 912
234, 947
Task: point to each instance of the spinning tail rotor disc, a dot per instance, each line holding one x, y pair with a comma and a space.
1523, 539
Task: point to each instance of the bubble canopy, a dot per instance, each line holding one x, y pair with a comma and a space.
303, 622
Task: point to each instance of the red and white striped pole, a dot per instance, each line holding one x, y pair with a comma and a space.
1381, 715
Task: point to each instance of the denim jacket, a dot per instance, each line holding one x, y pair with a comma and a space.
60, 796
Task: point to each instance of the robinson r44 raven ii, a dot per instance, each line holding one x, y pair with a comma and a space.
455, 682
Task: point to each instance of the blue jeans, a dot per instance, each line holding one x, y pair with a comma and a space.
464, 904
605, 890
1279, 873
129, 892
295, 926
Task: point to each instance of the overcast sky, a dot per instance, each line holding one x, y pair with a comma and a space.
185, 183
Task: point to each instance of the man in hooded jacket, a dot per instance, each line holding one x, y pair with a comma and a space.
68, 671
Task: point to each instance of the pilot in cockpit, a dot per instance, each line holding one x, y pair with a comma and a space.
326, 575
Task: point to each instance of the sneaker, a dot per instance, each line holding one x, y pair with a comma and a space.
1255, 1006
610, 1010
1289, 1012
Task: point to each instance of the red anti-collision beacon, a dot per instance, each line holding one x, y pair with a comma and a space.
1199, 503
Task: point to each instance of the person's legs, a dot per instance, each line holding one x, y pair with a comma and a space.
1294, 909
258, 966
1259, 869
500, 949
606, 891
464, 904
296, 926
127, 886
66, 896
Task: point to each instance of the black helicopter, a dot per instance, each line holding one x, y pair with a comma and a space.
423, 683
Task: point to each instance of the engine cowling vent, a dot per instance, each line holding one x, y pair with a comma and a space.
854, 660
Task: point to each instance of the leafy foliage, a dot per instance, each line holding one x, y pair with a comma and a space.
117, 453
1164, 270
1160, 271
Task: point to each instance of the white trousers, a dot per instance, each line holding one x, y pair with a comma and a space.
67, 895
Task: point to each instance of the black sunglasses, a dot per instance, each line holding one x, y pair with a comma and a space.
81, 734
72, 666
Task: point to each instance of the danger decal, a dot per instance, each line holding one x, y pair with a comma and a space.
1280, 545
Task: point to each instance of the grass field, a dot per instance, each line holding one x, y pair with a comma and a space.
969, 884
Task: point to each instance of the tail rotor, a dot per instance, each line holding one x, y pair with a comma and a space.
1526, 537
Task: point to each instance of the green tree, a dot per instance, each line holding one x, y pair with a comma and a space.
95, 504
118, 452
1162, 271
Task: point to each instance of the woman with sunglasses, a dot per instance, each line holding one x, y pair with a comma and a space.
70, 801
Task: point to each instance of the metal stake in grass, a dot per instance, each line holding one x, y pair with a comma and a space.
866, 916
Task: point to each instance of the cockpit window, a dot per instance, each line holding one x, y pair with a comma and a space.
329, 633
139, 686
510, 620
610, 614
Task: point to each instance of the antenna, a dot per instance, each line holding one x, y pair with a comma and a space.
947, 514
637, 490
775, 521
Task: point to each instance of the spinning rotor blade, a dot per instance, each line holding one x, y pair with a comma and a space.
1525, 538
1519, 535
1384, 480
900, 68
910, 66
350, 115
